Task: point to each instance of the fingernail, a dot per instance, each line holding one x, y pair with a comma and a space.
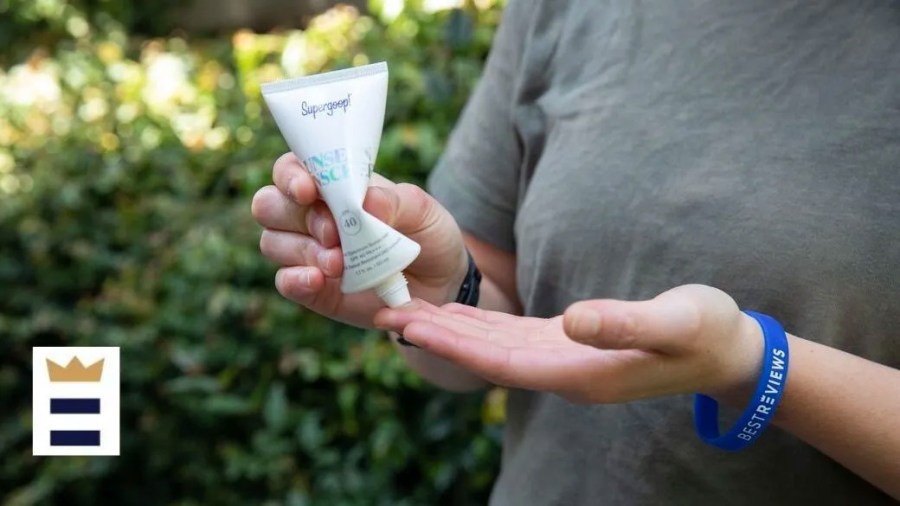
324, 260
293, 189
588, 322
306, 279
403, 342
321, 227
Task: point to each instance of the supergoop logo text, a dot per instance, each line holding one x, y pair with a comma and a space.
307, 109
328, 167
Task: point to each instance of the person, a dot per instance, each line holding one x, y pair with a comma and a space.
627, 178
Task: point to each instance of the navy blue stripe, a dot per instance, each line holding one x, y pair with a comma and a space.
74, 438
74, 406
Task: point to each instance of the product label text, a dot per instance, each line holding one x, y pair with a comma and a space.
328, 167
328, 108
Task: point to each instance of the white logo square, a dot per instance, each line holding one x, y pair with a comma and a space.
75, 400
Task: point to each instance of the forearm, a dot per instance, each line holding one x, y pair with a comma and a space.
848, 408
444, 374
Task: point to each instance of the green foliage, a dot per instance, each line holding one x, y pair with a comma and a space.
127, 166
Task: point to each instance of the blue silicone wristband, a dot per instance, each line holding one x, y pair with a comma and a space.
764, 402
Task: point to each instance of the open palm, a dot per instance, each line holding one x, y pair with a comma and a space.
682, 341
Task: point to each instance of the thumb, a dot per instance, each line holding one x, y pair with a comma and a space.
404, 207
619, 325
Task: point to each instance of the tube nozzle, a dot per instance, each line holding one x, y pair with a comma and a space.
393, 290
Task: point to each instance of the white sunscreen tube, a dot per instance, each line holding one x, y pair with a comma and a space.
332, 122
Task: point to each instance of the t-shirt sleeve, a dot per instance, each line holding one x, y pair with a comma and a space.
477, 177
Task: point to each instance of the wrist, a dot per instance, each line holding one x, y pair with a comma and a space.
741, 365
461, 280
764, 400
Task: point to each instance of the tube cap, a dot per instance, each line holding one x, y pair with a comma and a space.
393, 290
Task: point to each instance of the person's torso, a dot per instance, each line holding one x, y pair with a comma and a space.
751, 146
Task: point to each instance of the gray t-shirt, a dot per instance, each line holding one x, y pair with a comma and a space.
622, 148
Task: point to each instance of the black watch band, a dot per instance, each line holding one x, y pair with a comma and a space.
470, 288
468, 294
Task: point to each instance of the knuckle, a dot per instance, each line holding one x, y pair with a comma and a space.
302, 185
412, 189
323, 211
319, 220
628, 332
416, 196
420, 204
288, 175
570, 322
382, 203
311, 218
310, 251
694, 316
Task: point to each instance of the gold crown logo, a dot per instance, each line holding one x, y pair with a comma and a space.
75, 371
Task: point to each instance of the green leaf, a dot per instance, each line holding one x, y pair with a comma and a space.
275, 410
192, 384
309, 432
459, 29
224, 404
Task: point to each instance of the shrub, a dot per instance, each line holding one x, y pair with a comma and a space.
127, 165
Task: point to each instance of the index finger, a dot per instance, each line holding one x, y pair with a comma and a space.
292, 180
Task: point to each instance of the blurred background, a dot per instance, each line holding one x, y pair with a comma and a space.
132, 138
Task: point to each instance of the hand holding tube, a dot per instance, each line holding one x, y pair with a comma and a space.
302, 237
335, 138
